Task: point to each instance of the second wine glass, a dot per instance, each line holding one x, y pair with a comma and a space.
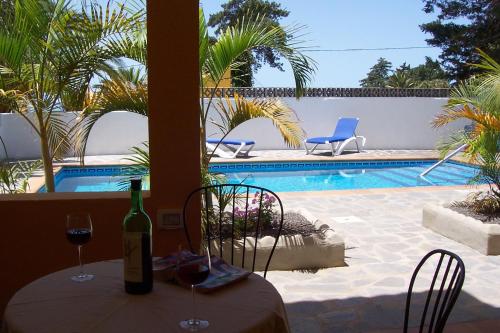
79, 232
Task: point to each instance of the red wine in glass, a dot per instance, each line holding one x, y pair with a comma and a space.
79, 232
78, 236
193, 273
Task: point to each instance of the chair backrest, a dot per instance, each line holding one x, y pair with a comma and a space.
446, 284
346, 127
235, 217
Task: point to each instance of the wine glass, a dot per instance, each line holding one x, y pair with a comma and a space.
194, 272
79, 232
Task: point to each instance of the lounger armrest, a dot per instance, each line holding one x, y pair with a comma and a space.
363, 139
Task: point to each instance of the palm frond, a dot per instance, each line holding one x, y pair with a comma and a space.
203, 39
59, 135
141, 156
478, 100
248, 35
232, 114
114, 95
14, 176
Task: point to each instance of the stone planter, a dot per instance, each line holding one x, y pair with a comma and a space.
294, 252
480, 236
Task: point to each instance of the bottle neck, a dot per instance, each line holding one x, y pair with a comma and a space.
136, 201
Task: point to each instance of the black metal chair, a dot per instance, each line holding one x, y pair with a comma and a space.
438, 305
234, 217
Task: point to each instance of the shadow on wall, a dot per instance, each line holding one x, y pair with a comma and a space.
385, 313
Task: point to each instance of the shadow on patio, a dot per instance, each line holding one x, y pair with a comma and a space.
385, 313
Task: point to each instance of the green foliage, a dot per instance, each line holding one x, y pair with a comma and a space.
14, 176
128, 90
460, 28
235, 11
259, 212
141, 156
6, 12
478, 100
490, 173
49, 53
378, 74
400, 79
231, 114
254, 214
429, 71
427, 75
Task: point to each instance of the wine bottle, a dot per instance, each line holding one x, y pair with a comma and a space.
137, 246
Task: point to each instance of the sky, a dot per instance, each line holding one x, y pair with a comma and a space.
348, 24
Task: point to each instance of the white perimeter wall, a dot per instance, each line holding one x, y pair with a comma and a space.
114, 133
386, 122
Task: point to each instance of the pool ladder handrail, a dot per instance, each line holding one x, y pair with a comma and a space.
446, 158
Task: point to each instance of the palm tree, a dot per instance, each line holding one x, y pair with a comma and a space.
49, 53
128, 90
400, 79
478, 100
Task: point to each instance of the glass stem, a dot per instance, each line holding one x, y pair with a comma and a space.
194, 304
80, 259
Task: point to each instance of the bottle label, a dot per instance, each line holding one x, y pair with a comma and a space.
132, 256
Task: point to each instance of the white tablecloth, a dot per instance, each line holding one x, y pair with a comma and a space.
54, 304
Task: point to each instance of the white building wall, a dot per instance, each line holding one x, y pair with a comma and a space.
386, 122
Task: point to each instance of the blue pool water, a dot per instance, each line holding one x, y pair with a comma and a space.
96, 179
289, 176
297, 177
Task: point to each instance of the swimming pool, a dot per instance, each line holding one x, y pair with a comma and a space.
288, 176
96, 179
324, 176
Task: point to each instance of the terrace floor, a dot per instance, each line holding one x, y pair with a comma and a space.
384, 242
281, 155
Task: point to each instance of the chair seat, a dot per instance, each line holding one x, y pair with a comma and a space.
231, 141
326, 139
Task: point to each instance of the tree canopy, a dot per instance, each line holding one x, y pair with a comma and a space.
461, 27
6, 11
232, 12
427, 75
378, 74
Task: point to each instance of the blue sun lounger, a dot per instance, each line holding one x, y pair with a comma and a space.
235, 147
345, 132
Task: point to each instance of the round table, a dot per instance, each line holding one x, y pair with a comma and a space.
54, 303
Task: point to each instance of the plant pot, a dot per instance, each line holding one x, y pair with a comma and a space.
467, 230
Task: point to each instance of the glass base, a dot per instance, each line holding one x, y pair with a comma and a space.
82, 277
194, 325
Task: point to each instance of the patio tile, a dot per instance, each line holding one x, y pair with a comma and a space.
384, 244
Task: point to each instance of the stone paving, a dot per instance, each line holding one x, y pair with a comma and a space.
384, 242
326, 155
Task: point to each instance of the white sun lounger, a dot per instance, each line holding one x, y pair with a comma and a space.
233, 146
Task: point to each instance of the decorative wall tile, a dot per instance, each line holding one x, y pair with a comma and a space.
327, 92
